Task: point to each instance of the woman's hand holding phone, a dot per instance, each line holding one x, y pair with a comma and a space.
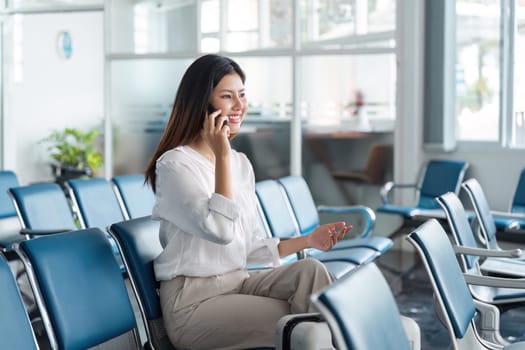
212, 109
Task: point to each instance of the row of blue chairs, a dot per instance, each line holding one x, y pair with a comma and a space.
80, 291
441, 176
44, 208
484, 279
287, 210
37, 210
463, 285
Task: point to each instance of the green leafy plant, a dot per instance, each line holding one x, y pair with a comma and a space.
75, 149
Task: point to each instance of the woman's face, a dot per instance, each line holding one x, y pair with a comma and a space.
228, 96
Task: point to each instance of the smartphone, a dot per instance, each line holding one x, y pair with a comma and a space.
212, 109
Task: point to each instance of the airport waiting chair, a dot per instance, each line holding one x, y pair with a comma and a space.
9, 223
15, 328
473, 260
42, 209
495, 260
437, 177
96, 205
485, 218
512, 220
454, 301
80, 291
278, 219
138, 242
307, 215
362, 313
135, 197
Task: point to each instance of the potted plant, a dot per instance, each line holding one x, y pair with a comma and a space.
74, 152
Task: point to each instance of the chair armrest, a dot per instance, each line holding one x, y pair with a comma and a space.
31, 232
389, 186
508, 215
288, 323
516, 224
490, 281
511, 253
368, 215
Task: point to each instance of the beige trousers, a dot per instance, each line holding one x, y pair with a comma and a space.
238, 310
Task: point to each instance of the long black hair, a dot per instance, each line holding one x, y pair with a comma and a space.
191, 105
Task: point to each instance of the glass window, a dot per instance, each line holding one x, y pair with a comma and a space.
517, 138
478, 59
248, 24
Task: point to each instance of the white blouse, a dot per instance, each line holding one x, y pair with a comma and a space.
204, 233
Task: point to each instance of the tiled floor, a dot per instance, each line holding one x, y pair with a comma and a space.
409, 282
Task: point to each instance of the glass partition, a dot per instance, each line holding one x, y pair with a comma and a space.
339, 89
344, 47
55, 5
139, 111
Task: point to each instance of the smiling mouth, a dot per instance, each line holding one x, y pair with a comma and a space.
234, 119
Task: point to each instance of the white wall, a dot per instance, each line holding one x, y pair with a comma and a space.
51, 92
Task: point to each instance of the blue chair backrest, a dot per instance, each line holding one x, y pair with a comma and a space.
138, 240
82, 287
8, 179
96, 201
302, 202
482, 209
364, 309
43, 206
276, 209
458, 221
436, 251
137, 197
15, 328
518, 202
440, 177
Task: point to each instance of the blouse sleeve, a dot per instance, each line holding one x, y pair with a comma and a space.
265, 251
183, 197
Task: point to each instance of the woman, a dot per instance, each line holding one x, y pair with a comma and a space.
209, 229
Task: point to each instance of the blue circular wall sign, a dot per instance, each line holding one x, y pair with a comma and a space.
64, 44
